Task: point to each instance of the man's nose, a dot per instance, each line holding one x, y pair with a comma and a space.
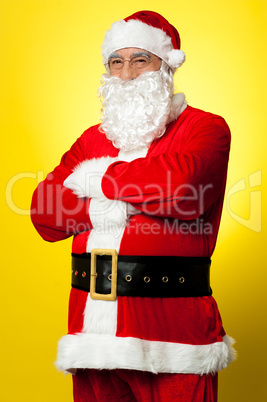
127, 72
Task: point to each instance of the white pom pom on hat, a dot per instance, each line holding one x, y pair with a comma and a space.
145, 30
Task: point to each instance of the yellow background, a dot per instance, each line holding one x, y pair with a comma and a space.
50, 71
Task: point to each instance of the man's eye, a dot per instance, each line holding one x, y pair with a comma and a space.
140, 61
115, 62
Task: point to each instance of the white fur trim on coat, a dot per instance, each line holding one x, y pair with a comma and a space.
106, 215
135, 33
128, 156
100, 317
109, 219
110, 352
178, 105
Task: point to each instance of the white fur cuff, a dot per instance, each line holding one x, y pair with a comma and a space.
85, 181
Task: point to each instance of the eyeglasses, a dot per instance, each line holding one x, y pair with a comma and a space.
137, 62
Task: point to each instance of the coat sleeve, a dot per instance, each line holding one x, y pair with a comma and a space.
56, 212
176, 184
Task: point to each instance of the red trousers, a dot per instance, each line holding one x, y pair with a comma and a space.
132, 386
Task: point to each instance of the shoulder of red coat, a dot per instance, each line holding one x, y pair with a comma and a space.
204, 117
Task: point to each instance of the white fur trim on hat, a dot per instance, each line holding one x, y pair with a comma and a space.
135, 33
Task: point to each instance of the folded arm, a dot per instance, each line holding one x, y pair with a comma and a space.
56, 212
179, 185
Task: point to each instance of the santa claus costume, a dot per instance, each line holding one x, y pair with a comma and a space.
156, 203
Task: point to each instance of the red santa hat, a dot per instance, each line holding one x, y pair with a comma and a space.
145, 30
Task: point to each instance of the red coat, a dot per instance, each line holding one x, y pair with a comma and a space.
177, 186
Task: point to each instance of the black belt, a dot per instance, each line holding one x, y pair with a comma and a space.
143, 276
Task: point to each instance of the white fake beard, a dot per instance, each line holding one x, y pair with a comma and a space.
135, 112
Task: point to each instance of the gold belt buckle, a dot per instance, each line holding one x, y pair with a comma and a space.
114, 269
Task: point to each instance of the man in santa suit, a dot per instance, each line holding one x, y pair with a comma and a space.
142, 194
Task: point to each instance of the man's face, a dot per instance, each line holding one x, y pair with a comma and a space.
131, 62
136, 99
